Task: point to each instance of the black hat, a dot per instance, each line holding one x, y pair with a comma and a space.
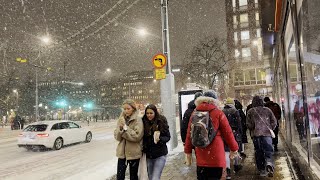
210, 93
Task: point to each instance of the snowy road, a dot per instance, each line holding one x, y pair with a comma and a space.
94, 160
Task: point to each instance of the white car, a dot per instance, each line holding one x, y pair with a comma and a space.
53, 134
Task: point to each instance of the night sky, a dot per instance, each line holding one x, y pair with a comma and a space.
90, 36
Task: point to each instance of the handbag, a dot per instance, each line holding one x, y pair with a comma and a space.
143, 170
271, 131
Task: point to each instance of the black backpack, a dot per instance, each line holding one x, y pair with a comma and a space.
202, 130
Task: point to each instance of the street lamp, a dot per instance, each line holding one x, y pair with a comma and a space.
142, 32
46, 41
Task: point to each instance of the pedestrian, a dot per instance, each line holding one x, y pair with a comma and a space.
211, 160
298, 116
156, 135
261, 122
234, 120
129, 133
244, 139
186, 116
275, 108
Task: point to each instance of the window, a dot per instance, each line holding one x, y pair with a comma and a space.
246, 52
243, 3
261, 74
258, 32
257, 16
235, 35
250, 76
235, 21
238, 76
73, 125
233, 3
236, 53
245, 35
244, 20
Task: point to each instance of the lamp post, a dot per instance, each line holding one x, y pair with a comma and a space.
167, 85
17, 100
46, 41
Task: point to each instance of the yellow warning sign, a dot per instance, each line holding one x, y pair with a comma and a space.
159, 61
160, 73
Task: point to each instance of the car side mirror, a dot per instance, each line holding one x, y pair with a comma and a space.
79, 126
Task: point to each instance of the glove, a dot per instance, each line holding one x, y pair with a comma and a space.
188, 159
233, 154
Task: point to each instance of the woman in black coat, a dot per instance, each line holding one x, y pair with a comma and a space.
156, 135
238, 106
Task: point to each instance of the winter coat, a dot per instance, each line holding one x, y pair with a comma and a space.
130, 140
213, 155
239, 107
151, 149
185, 120
234, 119
275, 108
259, 118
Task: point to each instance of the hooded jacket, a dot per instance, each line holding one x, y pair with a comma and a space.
234, 119
213, 155
185, 120
259, 118
130, 140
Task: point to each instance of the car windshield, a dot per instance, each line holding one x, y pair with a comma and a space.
36, 128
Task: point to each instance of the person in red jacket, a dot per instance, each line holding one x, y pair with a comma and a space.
211, 160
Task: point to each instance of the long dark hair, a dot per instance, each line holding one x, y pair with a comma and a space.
159, 124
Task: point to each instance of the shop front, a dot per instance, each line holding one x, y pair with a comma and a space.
297, 79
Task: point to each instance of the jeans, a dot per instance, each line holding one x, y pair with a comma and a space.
133, 168
263, 151
209, 173
155, 167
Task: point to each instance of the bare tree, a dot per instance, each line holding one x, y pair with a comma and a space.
209, 61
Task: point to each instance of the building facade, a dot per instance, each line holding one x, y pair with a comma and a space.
251, 72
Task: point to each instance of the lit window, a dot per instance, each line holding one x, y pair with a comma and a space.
235, 21
235, 37
245, 35
243, 2
246, 52
234, 3
236, 53
256, 1
244, 18
258, 32
257, 16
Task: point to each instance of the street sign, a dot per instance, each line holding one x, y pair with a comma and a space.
160, 73
159, 61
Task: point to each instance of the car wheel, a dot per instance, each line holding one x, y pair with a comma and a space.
88, 137
58, 143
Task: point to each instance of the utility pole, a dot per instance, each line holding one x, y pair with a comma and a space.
167, 84
37, 98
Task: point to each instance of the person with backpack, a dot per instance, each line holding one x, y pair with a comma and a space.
207, 128
186, 116
129, 133
234, 120
156, 135
261, 122
275, 108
